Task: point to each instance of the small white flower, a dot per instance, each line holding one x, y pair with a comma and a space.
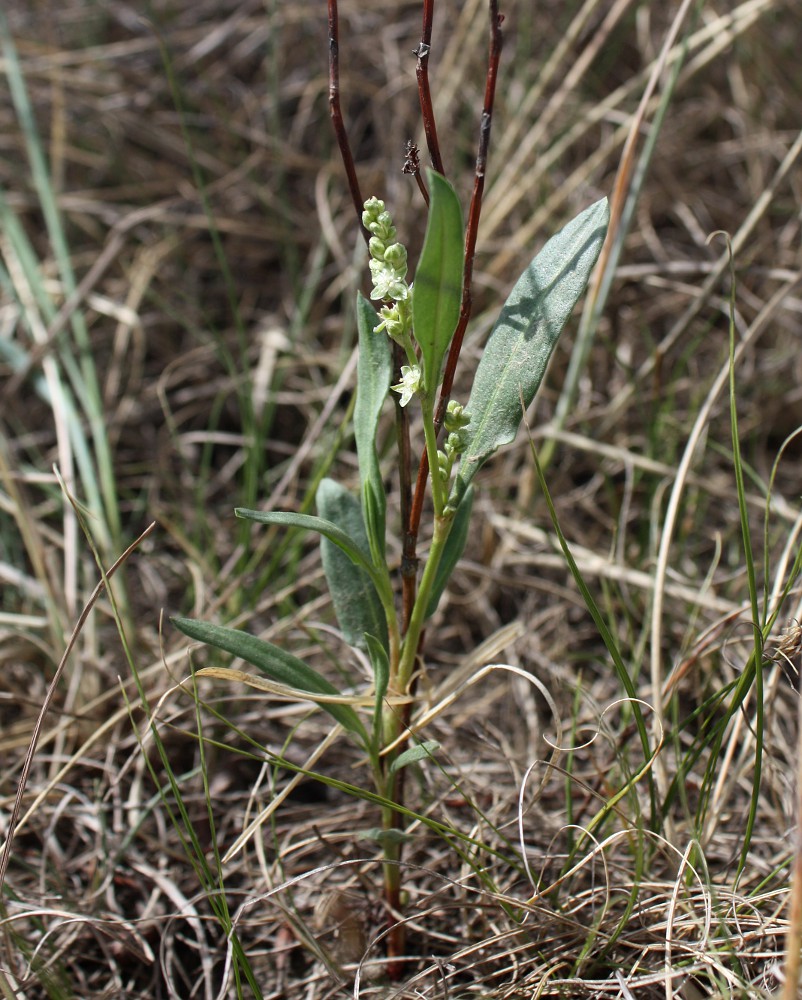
409, 384
386, 282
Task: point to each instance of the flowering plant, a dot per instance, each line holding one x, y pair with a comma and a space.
417, 323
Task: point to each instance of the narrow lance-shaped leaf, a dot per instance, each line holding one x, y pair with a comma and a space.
521, 342
374, 371
274, 662
437, 290
353, 595
357, 553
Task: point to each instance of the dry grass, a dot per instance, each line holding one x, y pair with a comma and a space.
214, 260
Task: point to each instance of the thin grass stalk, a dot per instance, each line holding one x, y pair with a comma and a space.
757, 631
181, 822
761, 206
34, 544
793, 938
5, 850
213, 838
626, 190
23, 280
650, 756
239, 368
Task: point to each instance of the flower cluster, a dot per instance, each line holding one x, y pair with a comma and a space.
456, 420
388, 269
388, 265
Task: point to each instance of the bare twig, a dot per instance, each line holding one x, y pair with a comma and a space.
412, 166
337, 116
424, 94
470, 251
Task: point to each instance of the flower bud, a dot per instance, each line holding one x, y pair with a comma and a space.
392, 322
377, 248
385, 222
455, 444
373, 208
456, 418
396, 256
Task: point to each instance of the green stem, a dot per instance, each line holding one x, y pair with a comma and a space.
409, 350
409, 647
438, 500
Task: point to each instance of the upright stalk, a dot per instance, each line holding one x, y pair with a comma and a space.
415, 599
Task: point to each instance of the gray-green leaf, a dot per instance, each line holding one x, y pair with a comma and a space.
355, 600
374, 371
437, 291
521, 342
418, 752
275, 663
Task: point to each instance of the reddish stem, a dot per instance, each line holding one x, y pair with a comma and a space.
409, 568
424, 93
336, 114
396, 935
472, 230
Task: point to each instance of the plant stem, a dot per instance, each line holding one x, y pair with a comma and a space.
409, 646
336, 114
430, 434
391, 849
471, 234
424, 93
401, 681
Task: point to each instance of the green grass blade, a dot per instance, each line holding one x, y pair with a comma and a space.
757, 630
607, 637
88, 393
